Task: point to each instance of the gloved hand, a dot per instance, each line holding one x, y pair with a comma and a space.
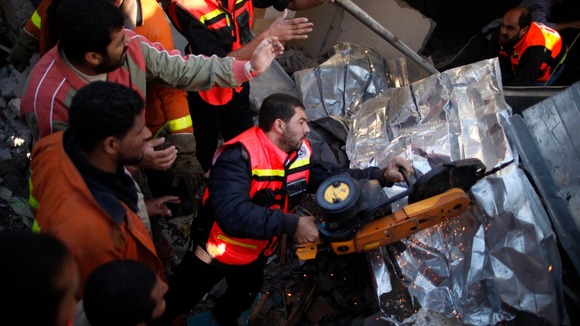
22, 51
186, 167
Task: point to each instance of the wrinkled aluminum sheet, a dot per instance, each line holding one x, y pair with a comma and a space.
273, 80
501, 255
550, 150
349, 77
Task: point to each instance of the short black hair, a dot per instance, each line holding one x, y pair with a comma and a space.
277, 106
118, 293
103, 109
32, 264
86, 26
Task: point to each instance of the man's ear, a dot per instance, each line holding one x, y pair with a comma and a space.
93, 58
524, 30
278, 126
111, 145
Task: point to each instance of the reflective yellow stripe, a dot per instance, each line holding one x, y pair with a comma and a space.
564, 56
36, 19
180, 123
268, 173
210, 15
31, 200
301, 162
551, 40
35, 227
234, 242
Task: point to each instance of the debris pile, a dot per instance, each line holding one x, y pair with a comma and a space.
15, 141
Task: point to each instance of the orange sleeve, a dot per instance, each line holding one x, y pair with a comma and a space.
171, 103
39, 27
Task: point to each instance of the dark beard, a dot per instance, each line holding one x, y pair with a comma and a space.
289, 146
108, 65
130, 160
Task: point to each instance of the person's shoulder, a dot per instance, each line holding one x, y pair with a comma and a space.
47, 66
235, 151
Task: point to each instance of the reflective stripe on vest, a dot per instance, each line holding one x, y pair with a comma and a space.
34, 204
271, 169
36, 19
223, 22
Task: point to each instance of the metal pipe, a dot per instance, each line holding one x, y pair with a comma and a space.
376, 27
5, 49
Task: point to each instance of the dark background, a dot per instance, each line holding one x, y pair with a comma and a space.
458, 20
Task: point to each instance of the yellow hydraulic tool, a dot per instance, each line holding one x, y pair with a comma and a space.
354, 211
401, 224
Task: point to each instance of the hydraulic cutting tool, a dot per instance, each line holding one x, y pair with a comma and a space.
357, 214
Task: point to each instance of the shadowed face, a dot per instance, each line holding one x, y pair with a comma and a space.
294, 131
69, 282
116, 52
131, 150
158, 295
510, 32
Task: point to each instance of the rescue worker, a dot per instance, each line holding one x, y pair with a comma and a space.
224, 28
163, 106
80, 191
528, 51
257, 179
98, 48
540, 10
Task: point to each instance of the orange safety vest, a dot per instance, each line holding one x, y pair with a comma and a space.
539, 35
271, 169
38, 26
229, 19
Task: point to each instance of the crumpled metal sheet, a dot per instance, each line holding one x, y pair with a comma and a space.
273, 80
499, 256
550, 150
349, 77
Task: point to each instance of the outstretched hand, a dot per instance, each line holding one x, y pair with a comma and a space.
264, 53
158, 207
392, 173
289, 29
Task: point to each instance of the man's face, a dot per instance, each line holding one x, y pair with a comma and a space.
116, 52
510, 32
69, 283
294, 131
131, 149
158, 295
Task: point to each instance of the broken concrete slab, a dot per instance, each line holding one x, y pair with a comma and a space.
333, 26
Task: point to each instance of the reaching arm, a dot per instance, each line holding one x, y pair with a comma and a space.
207, 42
322, 170
282, 28
290, 4
196, 73
566, 25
